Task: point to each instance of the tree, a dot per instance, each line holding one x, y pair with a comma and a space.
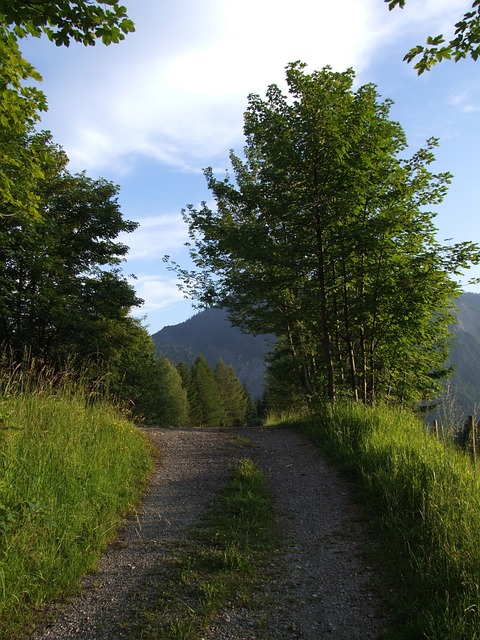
283, 392
20, 108
172, 396
203, 395
324, 239
59, 280
232, 394
21, 105
466, 41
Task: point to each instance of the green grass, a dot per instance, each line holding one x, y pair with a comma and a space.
217, 565
423, 497
69, 469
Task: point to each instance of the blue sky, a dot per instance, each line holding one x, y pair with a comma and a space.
151, 112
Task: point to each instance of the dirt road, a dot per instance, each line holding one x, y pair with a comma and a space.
319, 585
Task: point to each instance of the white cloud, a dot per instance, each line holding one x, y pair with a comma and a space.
465, 101
157, 291
155, 237
176, 93
175, 90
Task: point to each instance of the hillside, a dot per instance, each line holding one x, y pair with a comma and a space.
210, 333
465, 353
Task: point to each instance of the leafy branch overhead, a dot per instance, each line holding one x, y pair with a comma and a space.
63, 20
21, 105
466, 41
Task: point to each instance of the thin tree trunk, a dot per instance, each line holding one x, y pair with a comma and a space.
327, 339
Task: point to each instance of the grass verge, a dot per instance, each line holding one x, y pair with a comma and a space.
423, 496
69, 470
217, 565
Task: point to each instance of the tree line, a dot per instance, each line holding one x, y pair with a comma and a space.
323, 237
200, 396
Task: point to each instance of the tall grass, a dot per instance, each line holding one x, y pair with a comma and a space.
424, 498
69, 469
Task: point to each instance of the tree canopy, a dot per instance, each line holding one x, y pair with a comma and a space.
324, 238
84, 21
21, 105
465, 42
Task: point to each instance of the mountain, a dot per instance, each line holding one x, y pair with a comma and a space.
465, 354
211, 334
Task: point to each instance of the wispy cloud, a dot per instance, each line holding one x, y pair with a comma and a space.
157, 291
465, 101
176, 93
155, 237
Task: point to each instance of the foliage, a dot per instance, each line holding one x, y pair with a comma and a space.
324, 239
283, 392
172, 399
203, 396
211, 334
69, 469
233, 396
55, 289
20, 104
424, 499
61, 21
466, 41
218, 565
20, 108
63, 298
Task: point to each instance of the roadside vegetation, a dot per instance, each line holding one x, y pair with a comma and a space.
70, 466
218, 564
422, 497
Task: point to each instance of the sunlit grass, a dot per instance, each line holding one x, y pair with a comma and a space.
424, 499
69, 469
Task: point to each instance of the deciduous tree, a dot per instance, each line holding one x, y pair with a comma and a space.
21, 105
59, 280
325, 238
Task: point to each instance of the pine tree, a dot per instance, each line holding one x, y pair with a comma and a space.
233, 396
204, 397
173, 409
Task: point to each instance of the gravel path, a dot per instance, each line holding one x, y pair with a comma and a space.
318, 585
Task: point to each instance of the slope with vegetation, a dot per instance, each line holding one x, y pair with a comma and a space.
210, 333
324, 239
71, 461
71, 465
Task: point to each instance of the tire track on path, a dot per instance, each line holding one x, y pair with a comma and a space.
317, 584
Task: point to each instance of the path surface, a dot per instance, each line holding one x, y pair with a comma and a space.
318, 585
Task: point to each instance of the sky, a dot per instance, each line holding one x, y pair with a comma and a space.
151, 112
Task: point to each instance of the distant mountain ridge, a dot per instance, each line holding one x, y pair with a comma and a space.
465, 354
211, 334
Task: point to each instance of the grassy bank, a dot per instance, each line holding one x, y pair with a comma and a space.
423, 497
69, 469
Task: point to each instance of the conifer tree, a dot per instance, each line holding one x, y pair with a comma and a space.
233, 396
172, 397
204, 397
